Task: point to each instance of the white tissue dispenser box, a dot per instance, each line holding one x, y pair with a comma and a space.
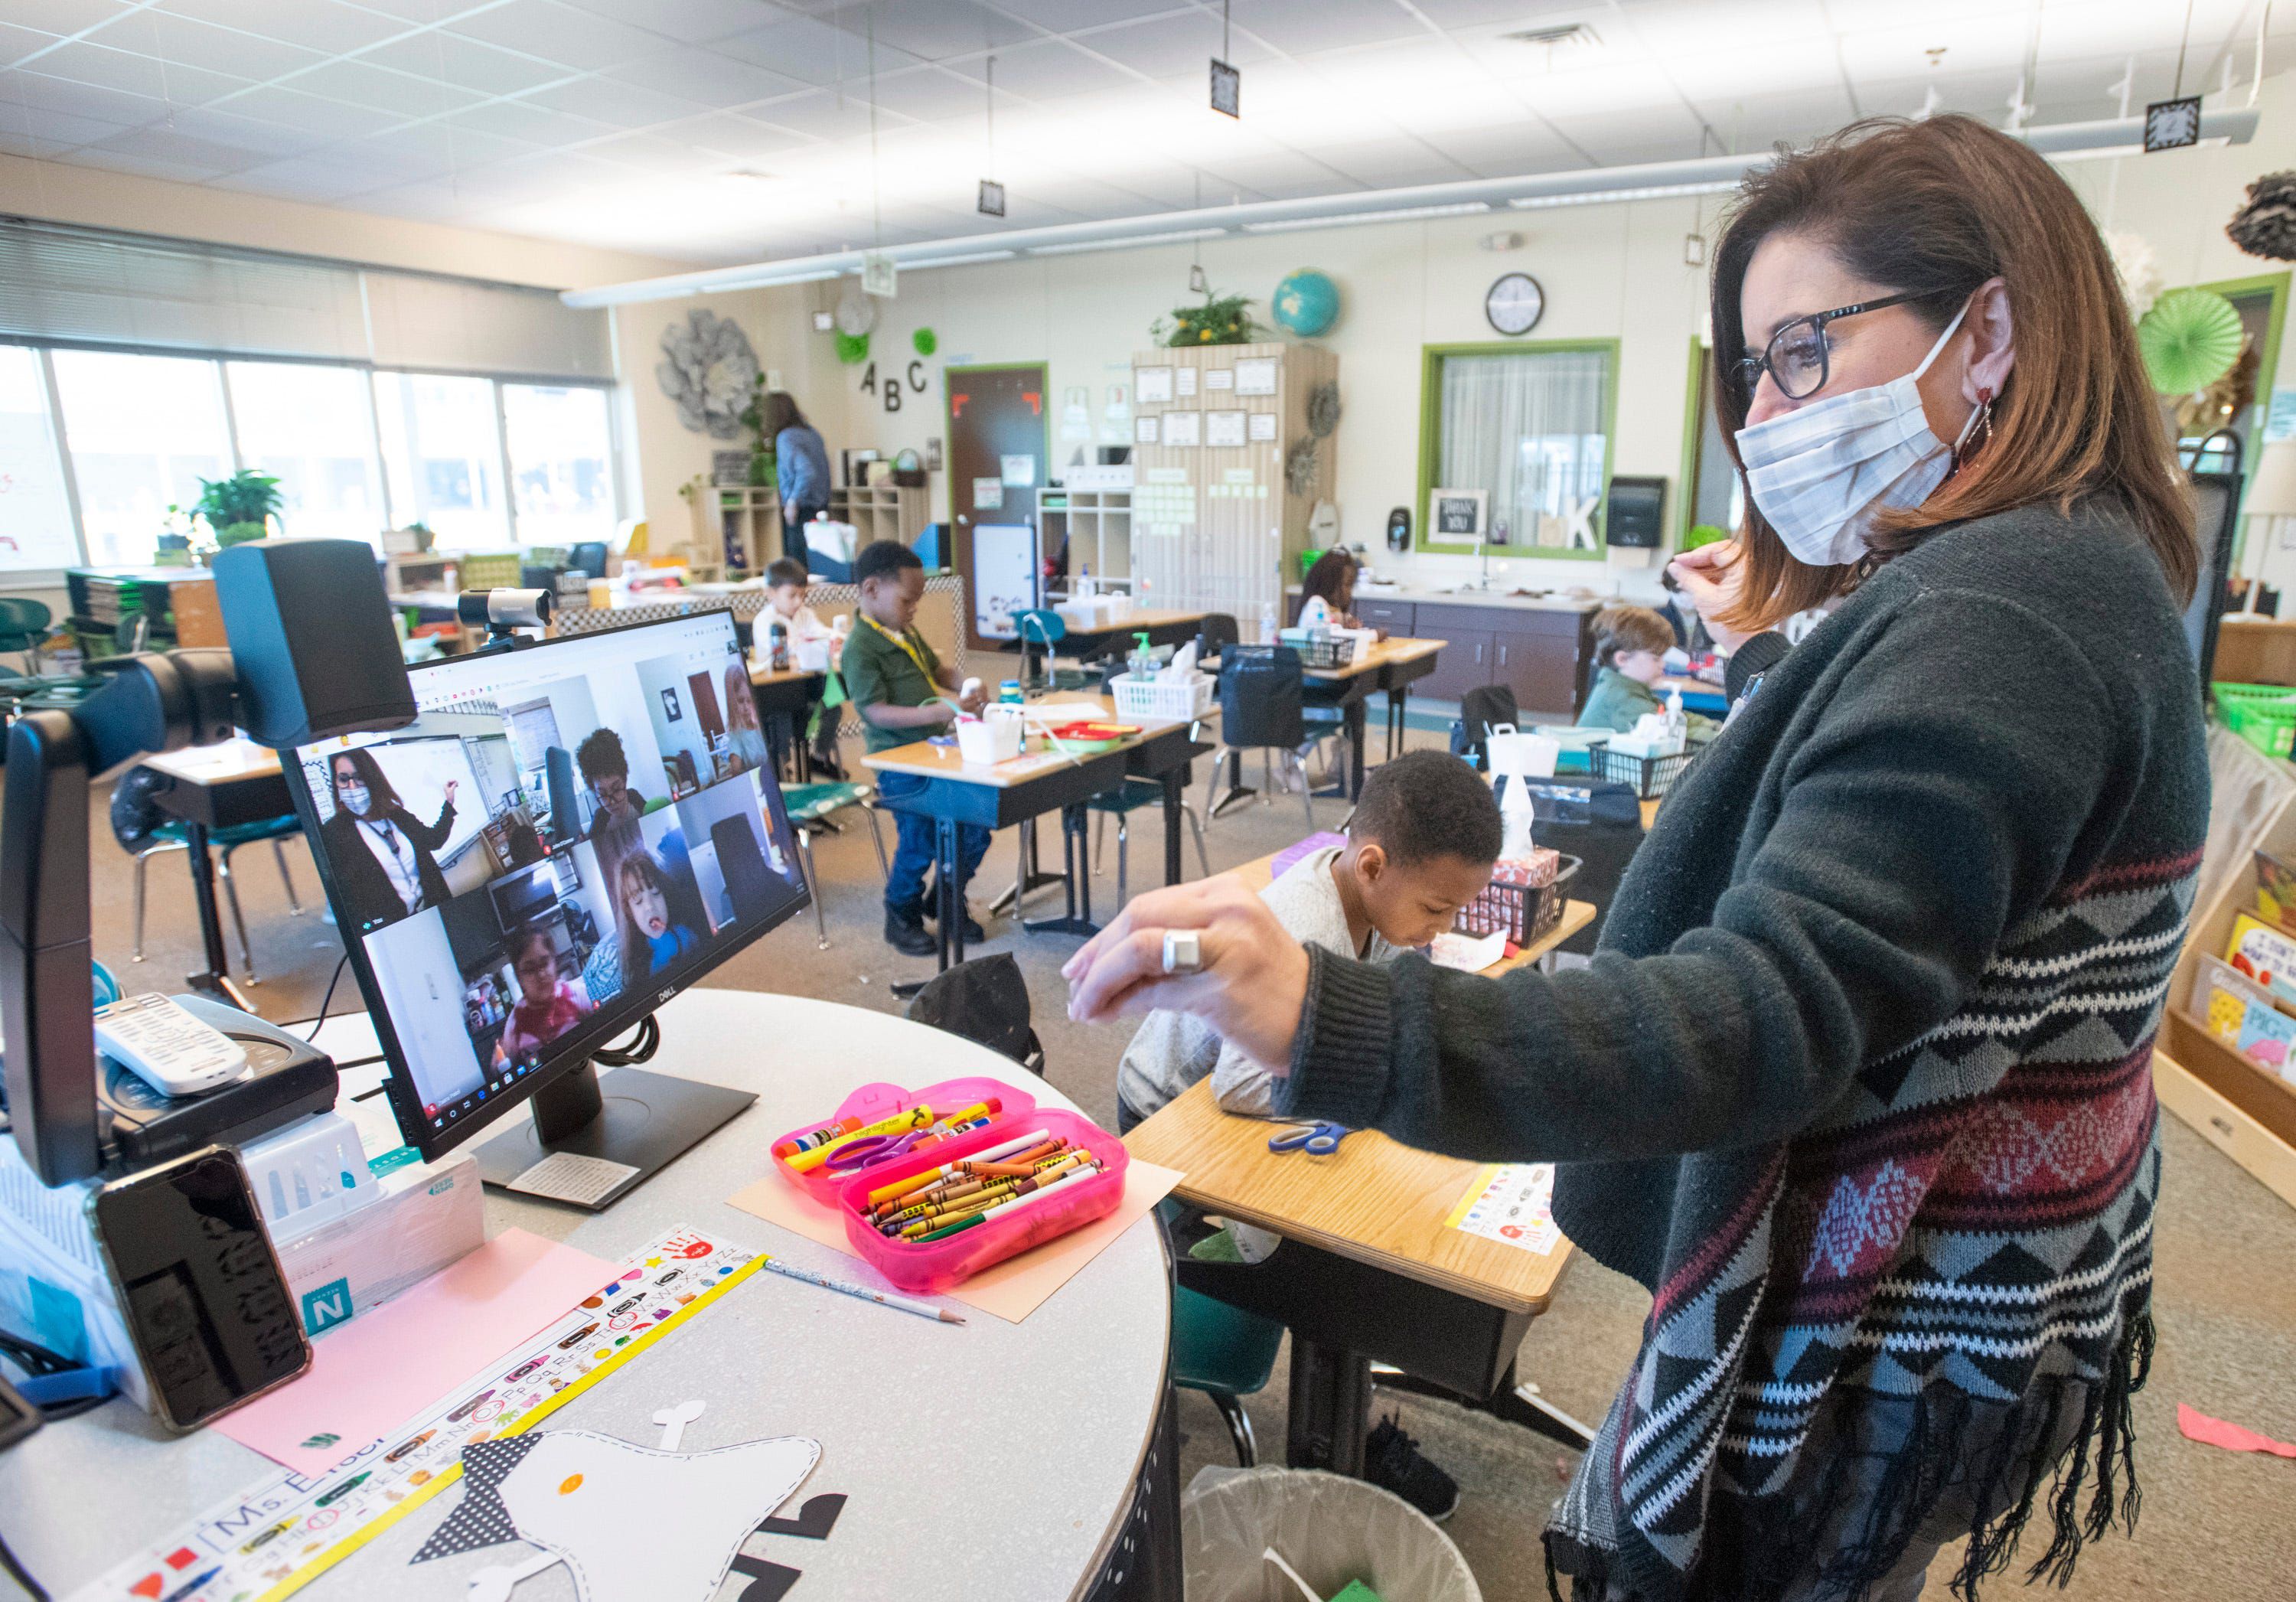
982, 742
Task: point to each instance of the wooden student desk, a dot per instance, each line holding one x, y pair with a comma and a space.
213, 787
1390, 665
1027, 786
1369, 1270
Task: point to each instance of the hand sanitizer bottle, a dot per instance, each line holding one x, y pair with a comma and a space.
1268, 622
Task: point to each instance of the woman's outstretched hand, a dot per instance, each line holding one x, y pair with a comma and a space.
1253, 985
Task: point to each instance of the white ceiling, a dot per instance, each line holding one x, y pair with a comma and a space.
715, 131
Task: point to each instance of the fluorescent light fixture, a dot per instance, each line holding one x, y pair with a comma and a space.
1177, 236
1400, 214
964, 260
1572, 186
1598, 197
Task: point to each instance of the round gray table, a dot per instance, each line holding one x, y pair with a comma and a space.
989, 1459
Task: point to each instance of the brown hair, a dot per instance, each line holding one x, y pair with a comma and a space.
1629, 628
779, 412
1935, 208
1328, 578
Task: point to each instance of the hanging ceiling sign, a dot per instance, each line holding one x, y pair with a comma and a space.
2172, 124
992, 198
1228, 89
879, 276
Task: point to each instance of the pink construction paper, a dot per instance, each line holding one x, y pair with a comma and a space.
2232, 1437
374, 1374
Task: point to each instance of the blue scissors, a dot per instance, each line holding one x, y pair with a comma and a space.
1319, 1139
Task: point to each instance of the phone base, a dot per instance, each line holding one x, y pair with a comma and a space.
640, 1119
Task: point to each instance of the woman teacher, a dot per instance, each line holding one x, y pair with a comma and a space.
381, 853
1859, 1086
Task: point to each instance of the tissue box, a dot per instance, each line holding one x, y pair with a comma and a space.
427, 1216
983, 741
1524, 899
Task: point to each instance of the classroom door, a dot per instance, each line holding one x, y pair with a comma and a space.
998, 449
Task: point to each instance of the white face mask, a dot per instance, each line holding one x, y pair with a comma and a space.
355, 797
1820, 472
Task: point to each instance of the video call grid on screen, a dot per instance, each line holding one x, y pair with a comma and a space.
564, 836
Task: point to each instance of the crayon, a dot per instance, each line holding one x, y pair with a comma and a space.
992, 1196
970, 1218
899, 1123
884, 1193
963, 1183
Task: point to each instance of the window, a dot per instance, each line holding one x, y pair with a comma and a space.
36, 525
144, 431
559, 447
308, 427
1531, 429
443, 444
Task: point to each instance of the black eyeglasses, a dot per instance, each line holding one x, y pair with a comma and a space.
1796, 357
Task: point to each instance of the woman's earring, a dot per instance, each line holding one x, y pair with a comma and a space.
1978, 431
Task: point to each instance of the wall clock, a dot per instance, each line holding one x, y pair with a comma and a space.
1515, 303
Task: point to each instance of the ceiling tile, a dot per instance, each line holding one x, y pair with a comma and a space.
17, 43
1169, 47
301, 178
690, 20
175, 144
65, 16
185, 42
316, 113
1643, 134
419, 12
1051, 69
13, 143
465, 63
726, 134
537, 124
1393, 163
263, 141
326, 26
1498, 152
625, 105
931, 95
58, 128
357, 80
134, 74
565, 33
651, 153
1303, 27
40, 93
1072, 16
819, 113
699, 75
932, 30
447, 147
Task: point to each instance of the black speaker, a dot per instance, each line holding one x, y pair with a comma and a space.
312, 640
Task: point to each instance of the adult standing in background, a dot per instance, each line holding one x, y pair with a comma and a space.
1858, 1085
801, 461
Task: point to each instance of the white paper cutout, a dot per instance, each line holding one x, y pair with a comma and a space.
674, 1420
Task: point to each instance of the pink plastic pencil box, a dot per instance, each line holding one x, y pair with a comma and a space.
937, 1266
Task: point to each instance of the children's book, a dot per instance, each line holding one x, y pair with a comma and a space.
2275, 891
2242, 1015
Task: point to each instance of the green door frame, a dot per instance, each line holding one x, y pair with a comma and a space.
1431, 427
2268, 363
1693, 434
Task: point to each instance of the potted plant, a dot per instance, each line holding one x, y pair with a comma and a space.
239, 508
1221, 320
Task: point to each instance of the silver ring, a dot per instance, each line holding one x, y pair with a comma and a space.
1184, 951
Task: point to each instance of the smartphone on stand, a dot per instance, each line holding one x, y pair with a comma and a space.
200, 1287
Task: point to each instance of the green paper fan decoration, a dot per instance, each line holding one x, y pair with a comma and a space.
925, 341
852, 349
2189, 339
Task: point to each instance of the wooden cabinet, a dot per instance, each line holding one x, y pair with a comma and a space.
1465, 663
1540, 655
1398, 617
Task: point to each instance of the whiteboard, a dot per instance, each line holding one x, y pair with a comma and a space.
1003, 576
419, 769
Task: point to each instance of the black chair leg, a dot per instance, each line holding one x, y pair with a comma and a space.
1239, 1427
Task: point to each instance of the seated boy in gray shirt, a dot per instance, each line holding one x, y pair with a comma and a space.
1420, 847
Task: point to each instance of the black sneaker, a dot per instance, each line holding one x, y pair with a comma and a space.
908, 936
1392, 1462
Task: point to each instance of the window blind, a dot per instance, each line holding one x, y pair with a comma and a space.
99, 286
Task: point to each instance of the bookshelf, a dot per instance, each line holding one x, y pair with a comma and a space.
880, 512
736, 527
1097, 524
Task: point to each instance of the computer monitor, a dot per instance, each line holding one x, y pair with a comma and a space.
496, 963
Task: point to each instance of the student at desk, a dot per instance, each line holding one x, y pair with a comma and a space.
904, 694
1420, 847
1630, 646
1859, 1087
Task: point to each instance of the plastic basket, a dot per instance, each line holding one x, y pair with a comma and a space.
1156, 700
485, 571
2262, 714
1649, 778
1318, 652
1525, 911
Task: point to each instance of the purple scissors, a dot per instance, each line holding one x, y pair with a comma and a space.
870, 1150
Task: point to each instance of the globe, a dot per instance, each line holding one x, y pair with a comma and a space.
1306, 303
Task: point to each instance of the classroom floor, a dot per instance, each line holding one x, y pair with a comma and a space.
2215, 1523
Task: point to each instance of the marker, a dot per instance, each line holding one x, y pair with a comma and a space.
813, 1137
970, 1218
923, 1309
884, 1193
899, 1123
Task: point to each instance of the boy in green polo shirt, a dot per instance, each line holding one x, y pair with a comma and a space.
903, 693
